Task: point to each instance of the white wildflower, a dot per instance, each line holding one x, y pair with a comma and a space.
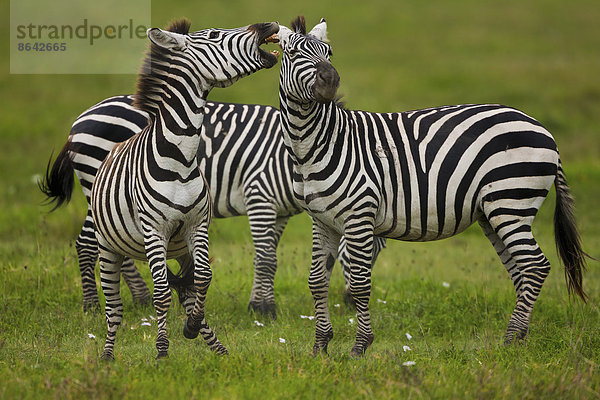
351, 320
91, 336
406, 348
258, 323
146, 324
381, 301
311, 317
281, 340
408, 336
445, 284
145, 319
408, 363
336, 305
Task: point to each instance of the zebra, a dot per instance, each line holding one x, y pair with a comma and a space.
416, 176
244, 160
149, 198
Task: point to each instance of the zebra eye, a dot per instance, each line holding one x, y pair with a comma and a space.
213, 35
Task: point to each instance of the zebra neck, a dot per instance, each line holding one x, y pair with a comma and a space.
176, 127
308, 128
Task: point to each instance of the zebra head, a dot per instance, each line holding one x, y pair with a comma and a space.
219, 56
306, 71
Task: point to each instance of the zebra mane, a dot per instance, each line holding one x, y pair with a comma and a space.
150, 79
299, 25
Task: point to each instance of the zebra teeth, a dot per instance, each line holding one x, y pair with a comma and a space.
275, 53
272, 39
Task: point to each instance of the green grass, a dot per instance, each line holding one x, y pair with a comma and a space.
539, 56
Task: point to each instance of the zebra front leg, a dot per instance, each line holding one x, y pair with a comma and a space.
87, 254
196, 321
359, 246
156, 252
324, 252
110, 277
137, 286
379, 244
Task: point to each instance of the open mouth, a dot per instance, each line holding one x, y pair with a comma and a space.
267, 33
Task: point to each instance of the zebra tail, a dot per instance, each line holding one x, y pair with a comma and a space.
567, 238
57, 184
182, 279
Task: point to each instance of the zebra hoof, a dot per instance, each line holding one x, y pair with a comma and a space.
268, 310
221, 350
357, 352
162, 355
318, 351
264, 309
188, 332
107, 357
515, 338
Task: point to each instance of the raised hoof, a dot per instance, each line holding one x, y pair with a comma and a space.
107, 357
189, 333
162, 355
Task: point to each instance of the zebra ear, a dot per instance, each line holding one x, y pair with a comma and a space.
166, 39
320, 31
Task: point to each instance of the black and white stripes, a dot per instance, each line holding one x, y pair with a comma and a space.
417, 176
243, 157
149, 198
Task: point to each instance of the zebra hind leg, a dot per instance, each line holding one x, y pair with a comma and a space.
266, 229
87, 254
110, 274
137, 286
526, 264
196, 321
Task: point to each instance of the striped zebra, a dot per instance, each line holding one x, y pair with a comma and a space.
241, 154
149, 198
416, 176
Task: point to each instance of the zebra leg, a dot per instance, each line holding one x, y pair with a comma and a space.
196, 321
156, 252
186, 290
110, 277
379, 244
359, 243
137, 286
87, 254
525, 263
324, 251
266, 230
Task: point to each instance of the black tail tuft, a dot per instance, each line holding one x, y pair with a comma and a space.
183, 279
57, 184
567, 238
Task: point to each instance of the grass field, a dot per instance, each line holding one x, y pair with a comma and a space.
542, 57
